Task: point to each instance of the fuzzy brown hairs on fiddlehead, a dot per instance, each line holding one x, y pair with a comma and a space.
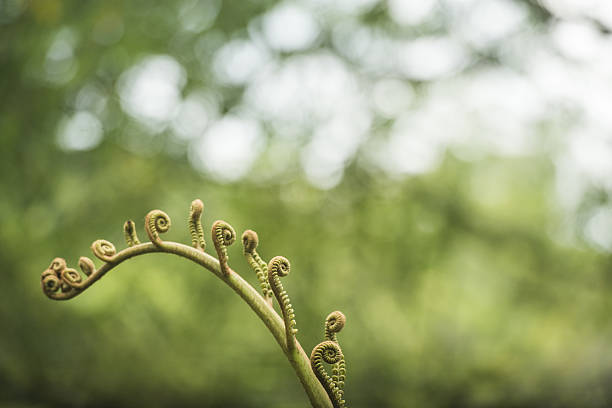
156, 222
195, 224
129, 231
250, 241
223, 235
334, 323
330, 353
279, 266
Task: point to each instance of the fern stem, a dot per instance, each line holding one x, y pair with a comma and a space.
297, 357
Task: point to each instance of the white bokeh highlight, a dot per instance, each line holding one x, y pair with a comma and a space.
150, 91
238, 61
598, 230
399, 95
194, 115
320, 95
392, 97
428, 58
487, 22
410, 12
289, 27
228, 148
80, 132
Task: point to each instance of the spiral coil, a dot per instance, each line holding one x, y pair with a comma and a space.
129, 231
279, 266
195, 224
330, 353
334, 323
223, 235
250, 241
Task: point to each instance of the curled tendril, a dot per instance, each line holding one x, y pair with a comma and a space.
156, 222
51, 278
330, 353
58, 277
334, 323
195, 224
223, 235
250, 242
86, 265
49, 281
129, 230
70, 279
58, 265
279, 266
104, 250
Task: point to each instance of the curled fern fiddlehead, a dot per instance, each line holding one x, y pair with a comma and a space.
156, 222
279, 266
195, 224
329, 352
129, 230
70, 279
250, 242
51, 277
104, 250
223, 235
334, 323
86, 265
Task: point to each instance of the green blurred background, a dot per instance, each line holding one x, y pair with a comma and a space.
440, 171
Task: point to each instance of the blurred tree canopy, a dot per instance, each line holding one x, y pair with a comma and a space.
436, 171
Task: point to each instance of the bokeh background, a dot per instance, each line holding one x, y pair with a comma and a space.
439, 170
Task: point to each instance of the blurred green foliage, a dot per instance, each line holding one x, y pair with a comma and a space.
456, 292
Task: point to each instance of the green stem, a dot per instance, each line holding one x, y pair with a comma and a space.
296, 356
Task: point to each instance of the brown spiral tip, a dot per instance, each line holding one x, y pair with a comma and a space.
279, 265
50, 279
58, 265
328, 351
156, 222
70, 277
129, 232
197, 207
250, 240
86, 265
335, 321
104, 250
223, 235
195, 224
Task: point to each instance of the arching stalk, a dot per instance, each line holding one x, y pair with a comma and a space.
62, 283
